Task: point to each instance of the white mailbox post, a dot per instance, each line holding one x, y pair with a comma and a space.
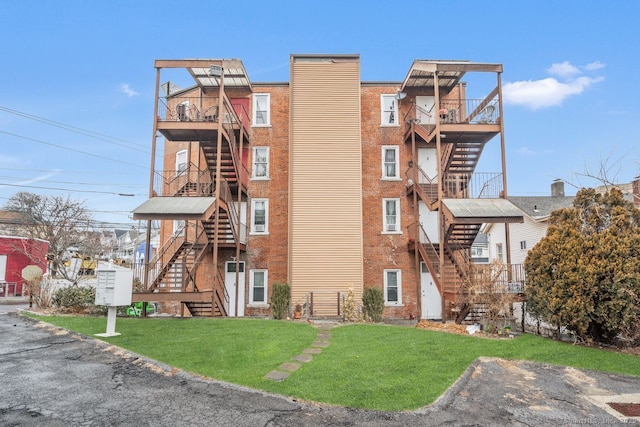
113, 289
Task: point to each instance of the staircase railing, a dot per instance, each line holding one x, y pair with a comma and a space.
427, 187
234, 216
161, 262
424, 247
221, 296
190, 276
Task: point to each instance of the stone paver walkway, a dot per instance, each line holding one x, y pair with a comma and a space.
287, 368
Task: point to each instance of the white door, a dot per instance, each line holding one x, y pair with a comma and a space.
425, 109
428, 162
230, 286
3, 268
430, 223
431, 300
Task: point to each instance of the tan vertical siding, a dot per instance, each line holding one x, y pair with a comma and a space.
325, 216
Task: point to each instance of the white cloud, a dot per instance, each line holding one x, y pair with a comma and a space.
564, 69
526, 151
551, 92
126, 89
595, 65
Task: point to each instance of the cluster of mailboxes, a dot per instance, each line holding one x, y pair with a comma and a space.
114, 287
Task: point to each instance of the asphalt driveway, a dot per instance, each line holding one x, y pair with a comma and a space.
50, 377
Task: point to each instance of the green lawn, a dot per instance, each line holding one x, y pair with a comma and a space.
366, 366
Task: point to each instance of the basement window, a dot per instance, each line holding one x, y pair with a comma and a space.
393, 287
258, 287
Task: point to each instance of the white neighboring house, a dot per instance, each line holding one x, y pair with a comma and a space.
524, 236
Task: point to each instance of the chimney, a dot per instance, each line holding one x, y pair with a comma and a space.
557, 188
635, 185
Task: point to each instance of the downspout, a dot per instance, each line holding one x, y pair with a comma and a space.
416, 216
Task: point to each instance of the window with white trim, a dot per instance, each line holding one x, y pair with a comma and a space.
260, 168
523, 245
260, 216
261, 109
258, 286
499, 252
393, 287
178, 227
181, 162
391, 216
389, 110
390, 166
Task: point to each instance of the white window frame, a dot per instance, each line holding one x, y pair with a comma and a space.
396, 150
254, 165
499, 251
181, 162
179, 227
523, 245
252, 281
266, 97
398, 273
386, 224
256, 228
389, 110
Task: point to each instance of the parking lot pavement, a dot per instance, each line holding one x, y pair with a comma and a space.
50, 377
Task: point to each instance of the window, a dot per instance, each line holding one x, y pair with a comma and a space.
390, 155
499, 251
259, 216
178, 227
523, 245
260, 168
258, 287
389, 107
393, 287
391, 215
261, 109
182, 111
181, 162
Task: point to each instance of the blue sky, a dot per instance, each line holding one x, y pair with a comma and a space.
77, 81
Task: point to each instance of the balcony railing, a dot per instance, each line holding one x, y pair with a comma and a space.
464, 111
479, 185
188, 182
201, 109
473, 111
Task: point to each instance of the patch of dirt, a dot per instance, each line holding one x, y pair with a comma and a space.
443, 327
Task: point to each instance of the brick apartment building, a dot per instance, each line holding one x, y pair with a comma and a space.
324, 182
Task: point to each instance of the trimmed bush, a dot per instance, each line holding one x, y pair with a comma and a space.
280, 297
74, 298
373, 303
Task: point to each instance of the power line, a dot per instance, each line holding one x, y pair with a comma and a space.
75, 183
72, 149
75, 191
93, 172
78, 130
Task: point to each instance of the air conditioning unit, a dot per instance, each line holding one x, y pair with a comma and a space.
259, 228
391, 227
